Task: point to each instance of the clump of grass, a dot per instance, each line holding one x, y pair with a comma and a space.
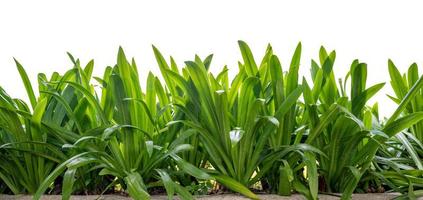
264, 127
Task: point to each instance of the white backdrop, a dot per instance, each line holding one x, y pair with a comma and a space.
38, 33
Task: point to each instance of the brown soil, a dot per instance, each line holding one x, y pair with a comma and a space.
381, 196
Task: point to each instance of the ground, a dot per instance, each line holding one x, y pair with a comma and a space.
380, 196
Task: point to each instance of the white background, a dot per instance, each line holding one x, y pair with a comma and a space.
38, 33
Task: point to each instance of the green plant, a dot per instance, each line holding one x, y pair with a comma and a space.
70, 118
264, 129
280, 91
235, 121
400, 85
27, 155
130, 141
343, 128
398, 163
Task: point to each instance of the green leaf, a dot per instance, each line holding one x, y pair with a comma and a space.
410, 149
68, 181
167, 182
250, 64
234, 185
135, 186
406, 100
397, 82
402, 123
54, 174
27, 84
285, 179
292, 79
190, 169
183, 193
312, 175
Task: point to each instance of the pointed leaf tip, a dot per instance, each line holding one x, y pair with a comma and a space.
241, 42
154, 47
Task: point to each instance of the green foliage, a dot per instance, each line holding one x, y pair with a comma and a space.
265, 128
399, 163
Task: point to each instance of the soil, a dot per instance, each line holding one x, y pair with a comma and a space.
380, 196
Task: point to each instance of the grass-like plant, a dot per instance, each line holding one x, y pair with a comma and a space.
343, 127
265, 128
399, 162
340, 124
26, 157
236, 121
128, 140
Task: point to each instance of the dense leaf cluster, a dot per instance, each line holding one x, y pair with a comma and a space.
266, 128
